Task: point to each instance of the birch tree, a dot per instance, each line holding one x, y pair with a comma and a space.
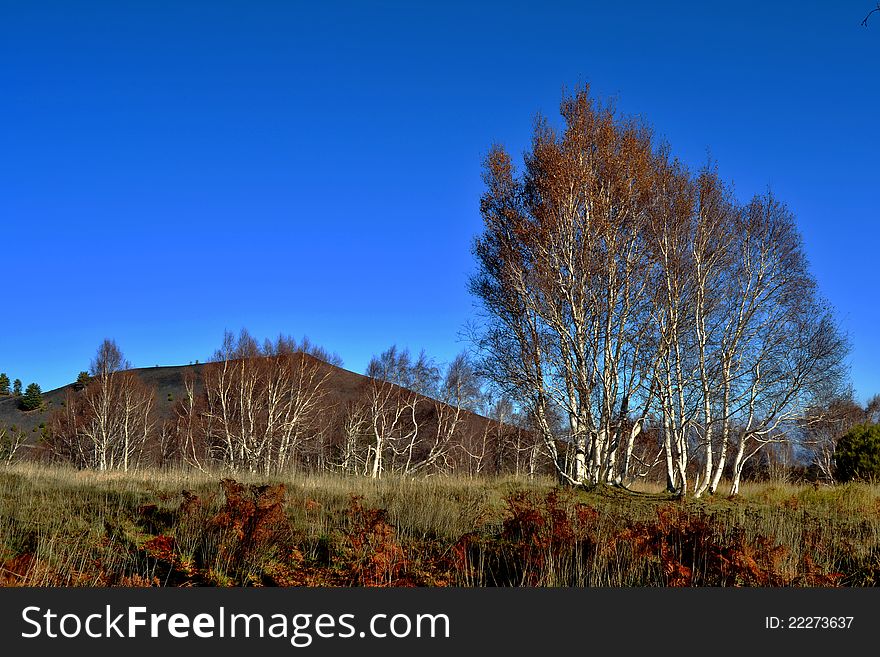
396, 401
260, 404
826, 422
11, 441
619, 288
110, 423
460, 394
563, 276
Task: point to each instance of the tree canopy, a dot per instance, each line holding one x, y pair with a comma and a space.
857, 456
622, 291
32, 398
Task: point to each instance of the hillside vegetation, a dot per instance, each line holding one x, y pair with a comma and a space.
280, 407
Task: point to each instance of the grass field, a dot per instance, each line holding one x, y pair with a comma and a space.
62, 527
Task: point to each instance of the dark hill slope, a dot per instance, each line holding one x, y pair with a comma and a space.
343, 386
166, 380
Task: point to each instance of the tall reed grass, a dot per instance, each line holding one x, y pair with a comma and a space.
64, 527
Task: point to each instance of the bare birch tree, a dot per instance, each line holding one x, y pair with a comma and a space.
563, 279
11, 441
260, 403
109, 424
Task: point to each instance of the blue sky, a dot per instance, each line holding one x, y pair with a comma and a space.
169, 170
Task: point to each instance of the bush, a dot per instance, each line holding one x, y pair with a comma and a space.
857, 455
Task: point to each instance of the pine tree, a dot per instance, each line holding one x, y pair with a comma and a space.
16, 388
82, 380
4, 384
32, 399
857, 455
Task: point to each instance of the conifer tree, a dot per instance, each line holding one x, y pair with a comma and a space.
33, 398
82, 380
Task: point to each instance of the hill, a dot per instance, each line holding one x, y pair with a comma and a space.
342, 386
168, 382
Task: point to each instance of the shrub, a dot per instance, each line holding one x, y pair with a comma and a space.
857, 455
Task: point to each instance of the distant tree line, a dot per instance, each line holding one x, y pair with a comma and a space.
30, 399
269, 407
272, 407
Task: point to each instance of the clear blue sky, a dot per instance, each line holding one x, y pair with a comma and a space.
171, 169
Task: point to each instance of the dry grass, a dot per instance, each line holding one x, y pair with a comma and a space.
64, 527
